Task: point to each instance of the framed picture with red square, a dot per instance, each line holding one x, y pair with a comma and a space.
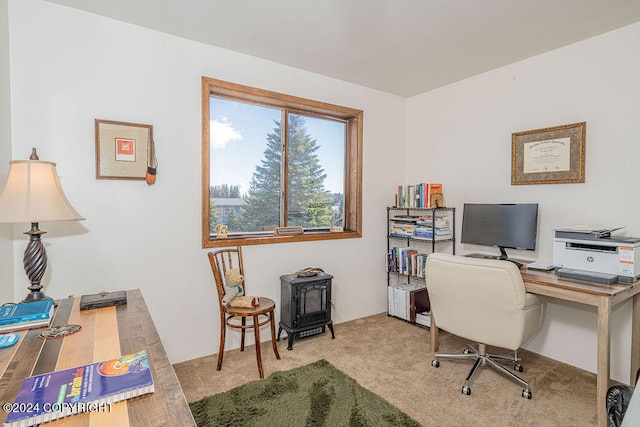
123, 150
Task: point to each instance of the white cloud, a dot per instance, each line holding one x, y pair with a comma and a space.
222, 133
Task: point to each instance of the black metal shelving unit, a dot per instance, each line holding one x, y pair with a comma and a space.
409, 214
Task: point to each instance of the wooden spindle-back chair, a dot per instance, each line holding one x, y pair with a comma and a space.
223, 260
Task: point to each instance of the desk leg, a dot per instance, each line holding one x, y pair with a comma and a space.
604, 350
635, 340
434, 334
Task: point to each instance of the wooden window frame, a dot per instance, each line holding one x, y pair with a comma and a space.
353, 160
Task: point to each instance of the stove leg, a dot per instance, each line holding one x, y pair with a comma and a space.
279, 332
333, 336
291, 336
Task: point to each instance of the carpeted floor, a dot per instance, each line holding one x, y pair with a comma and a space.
392, 358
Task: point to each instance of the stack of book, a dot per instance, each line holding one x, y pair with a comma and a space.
425, 228
401, 229
28, 315
420, 227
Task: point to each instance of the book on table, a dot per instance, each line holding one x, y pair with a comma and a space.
11, 314
33, 324
87, 388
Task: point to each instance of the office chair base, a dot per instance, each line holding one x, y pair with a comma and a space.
482, 358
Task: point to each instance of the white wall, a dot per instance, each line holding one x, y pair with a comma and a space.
460, 135
69, 67
6, 230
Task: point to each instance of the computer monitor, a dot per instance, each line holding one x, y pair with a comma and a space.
506, 225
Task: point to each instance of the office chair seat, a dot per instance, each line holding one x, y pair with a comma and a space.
485, 301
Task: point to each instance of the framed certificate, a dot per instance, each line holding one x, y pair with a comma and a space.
549, 156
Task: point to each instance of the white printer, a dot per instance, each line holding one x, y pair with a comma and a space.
594, 254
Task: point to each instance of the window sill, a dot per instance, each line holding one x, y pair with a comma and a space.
214, 242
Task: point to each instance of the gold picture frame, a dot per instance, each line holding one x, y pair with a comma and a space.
554, 155
123, 149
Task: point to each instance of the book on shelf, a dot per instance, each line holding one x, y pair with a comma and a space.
407, 298
434, 189
391, 310
401, 230
417, 195
412, 196
428, 234
423, 318
58, 394
441, 221
407, 261
12, 314
409, 219
402, 300
425, 232
405, 197
393, 294
427, 226
424, 195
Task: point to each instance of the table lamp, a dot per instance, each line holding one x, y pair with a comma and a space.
33, 194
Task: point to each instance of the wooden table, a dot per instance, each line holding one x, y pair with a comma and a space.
601, 296
106, 333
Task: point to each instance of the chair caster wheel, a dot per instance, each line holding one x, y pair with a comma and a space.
518, 367
435, 363
466, 390
466, 351
526, 394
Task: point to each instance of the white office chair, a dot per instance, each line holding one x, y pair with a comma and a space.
485, 301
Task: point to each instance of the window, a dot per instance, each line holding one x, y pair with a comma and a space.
271, 160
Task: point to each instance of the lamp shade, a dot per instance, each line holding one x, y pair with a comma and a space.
33, 194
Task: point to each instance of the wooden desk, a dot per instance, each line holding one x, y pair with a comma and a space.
601, 296
106, 333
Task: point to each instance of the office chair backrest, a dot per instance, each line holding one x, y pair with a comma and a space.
482, 300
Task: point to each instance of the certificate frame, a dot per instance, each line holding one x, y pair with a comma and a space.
123, 149
554, 155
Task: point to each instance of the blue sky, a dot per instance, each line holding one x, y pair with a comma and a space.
238, 141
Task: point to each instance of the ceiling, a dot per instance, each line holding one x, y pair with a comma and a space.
404, 47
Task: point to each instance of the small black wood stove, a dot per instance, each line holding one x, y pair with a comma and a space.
305, 306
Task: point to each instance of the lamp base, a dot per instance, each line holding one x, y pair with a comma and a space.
35, 263
35, 296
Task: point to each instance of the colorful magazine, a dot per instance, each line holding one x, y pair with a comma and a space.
89, 388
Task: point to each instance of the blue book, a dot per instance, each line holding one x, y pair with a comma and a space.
26, 312
88, 388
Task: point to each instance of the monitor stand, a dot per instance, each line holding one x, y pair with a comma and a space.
503, 256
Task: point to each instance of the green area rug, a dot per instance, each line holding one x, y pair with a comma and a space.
314, 395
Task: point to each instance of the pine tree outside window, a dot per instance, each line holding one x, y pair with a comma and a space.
271, 160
